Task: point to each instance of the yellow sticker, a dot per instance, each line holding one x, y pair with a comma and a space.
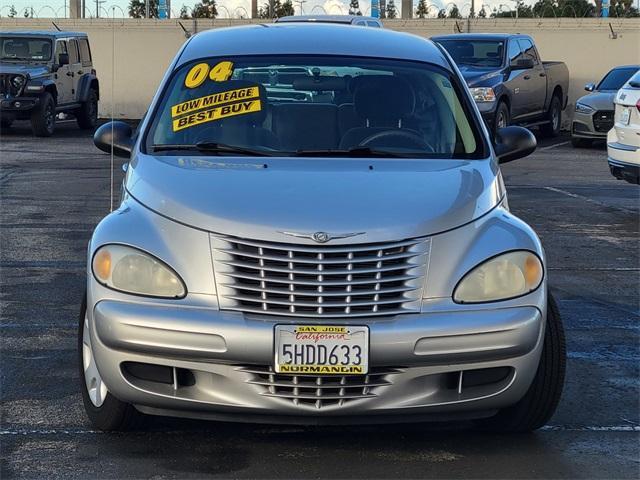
213, 100
216, 113
221, 72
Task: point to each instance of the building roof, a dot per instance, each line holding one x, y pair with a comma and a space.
41, 33
311, 39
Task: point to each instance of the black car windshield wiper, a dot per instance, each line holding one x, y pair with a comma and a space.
351, 152
213, 148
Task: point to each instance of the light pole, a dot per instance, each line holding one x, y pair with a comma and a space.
300, 2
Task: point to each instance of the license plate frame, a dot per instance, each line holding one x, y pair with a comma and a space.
346, 345
625, 116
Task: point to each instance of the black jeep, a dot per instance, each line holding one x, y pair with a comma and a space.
43, 74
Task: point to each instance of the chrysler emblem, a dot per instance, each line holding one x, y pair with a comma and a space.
322, 237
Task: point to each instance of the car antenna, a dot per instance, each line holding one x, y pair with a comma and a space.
113, 77
57, 27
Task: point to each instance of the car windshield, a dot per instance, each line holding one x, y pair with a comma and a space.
25, 49
314, 106
477, 53
616, 78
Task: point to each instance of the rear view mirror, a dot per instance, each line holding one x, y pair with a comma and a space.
590, 87
522, 64
63, 59
512, 143
118, 134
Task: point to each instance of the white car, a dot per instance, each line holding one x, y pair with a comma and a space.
623, 140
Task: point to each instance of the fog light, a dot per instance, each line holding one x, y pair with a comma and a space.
17, 104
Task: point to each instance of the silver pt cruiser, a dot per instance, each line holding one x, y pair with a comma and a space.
314, 230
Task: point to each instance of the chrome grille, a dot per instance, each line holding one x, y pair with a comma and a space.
319, 391
320, 281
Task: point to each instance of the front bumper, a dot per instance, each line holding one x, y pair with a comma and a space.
19, 104
624, 160
418, 357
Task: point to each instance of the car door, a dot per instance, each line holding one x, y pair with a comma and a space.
535, 80
515, 81
64, 82
75, 66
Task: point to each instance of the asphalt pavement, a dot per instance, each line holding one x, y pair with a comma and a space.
54, 191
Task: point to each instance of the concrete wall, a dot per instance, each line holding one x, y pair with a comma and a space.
144, 48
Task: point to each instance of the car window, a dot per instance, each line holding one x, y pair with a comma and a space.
528, 51
372, 23
61, 47
85, 52
293, 104
21, 48
616, 78
514, 51
73, 52
478, 53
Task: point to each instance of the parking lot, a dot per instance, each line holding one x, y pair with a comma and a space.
54, 191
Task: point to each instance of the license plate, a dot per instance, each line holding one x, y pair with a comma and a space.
321, 349
625, 116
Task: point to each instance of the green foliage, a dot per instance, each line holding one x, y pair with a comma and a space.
442, 13
184, 12
137, 9
354, 8
454, 12
422, 10
12, 11
391, 11
205, 9
482, 13
279, 9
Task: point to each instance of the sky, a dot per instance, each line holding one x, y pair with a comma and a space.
236, 8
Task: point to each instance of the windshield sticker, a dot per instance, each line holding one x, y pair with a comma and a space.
216, 113
221, 72
214, 99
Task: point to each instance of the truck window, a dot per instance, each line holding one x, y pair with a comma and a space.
73, 52
85, 52
61, 47
514, 51
528, 51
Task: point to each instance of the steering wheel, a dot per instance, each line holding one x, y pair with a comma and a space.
402, 138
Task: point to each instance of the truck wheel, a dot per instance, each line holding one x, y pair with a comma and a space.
104, 410
580, 142
554, 118
540, 402
87, 114
502, 118
43, 118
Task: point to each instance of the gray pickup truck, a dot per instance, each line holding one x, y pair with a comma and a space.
43, 74
508, 81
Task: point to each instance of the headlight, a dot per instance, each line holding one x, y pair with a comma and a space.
483, 94
131, 270
17, 82
582, 108
506, 276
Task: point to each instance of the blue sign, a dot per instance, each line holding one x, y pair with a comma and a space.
605, 8
163, 11
375, 9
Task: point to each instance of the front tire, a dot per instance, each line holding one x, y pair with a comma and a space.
554, 118
541, 400
43, 118
104, 410
502, 117
87, 114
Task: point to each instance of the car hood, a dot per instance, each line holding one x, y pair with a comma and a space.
476, 76
387, 200
32, 71
599, 100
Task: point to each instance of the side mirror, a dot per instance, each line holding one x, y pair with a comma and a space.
118, 134
63, 59
512, 143
590, 87
522, 64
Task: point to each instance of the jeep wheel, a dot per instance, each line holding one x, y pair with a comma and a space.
43, 118
87, 114
540, 402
